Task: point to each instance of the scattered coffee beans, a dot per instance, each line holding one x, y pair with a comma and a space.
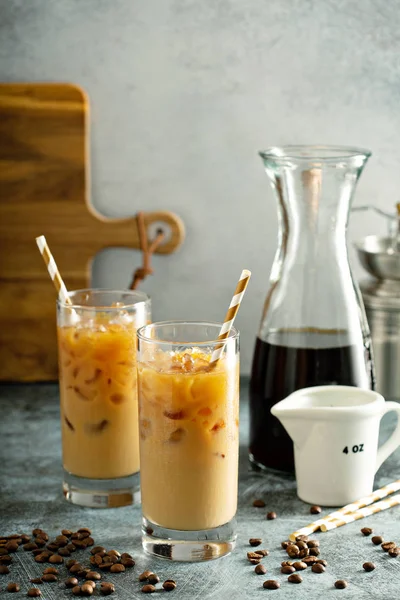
260, 569
394, 552
51, 570
315, 510
340, 584
287, 563
76, 590
271, 516
368, 566
292, 550
93, 575
295, 578
153, 578
366, 531
49, 578
285, 545
36, 580
71, 582
322, 562
314, 551
34, 593
271, 584
259, 503
67, 533
30, 546
262, 552
313, 544
318, 568
117, 568
4, 570
144, 576
255, 541
86, 589
377, 539
148, 589
304, 552
253, 556
107, 588
310, 560
75, 568
13, 587
169, 585
56, 559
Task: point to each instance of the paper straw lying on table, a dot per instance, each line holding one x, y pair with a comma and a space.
361, 513
230, 315
382, 492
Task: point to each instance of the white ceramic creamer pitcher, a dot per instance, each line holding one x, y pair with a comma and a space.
335, 431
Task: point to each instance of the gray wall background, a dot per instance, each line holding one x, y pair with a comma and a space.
183, 94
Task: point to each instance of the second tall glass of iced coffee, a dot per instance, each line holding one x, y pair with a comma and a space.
189, 439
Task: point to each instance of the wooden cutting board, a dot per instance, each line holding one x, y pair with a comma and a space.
44, 189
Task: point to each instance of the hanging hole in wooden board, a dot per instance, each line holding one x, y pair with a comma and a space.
154, 229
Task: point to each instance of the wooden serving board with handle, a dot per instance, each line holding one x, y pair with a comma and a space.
44, 189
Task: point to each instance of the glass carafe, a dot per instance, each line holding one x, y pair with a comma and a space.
313, 329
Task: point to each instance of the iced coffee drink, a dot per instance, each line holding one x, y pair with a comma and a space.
98, 391
189, 442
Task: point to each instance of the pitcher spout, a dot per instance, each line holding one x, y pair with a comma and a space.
289, 415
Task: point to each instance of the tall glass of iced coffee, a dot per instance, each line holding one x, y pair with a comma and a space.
189, 439
98, 392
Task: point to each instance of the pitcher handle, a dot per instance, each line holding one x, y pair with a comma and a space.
394, 441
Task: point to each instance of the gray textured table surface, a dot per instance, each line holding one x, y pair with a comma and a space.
30, 496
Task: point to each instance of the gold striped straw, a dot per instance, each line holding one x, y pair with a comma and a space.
349, 509
361, 513
230, 315
53, 270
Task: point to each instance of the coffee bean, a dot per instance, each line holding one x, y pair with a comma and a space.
13, 587
287, 563
71, 547
91, 582
315, 510
66, 532
71, 582
322, 562
318, 568
127, 562
25, 538
313, 544
286, 570
111, 558
271, 584
82, 573
113, 553
255, 561
117, 568
145, 575
4, 570
369, 566
126, 555
271, 516
14, 536
34, 593
6, 559
52, 547
303, 553
302, 538
36, 580
49, 578
93, 575
70, 563
340, 584
285, 545
386, 546
11, 546
96, 560
262, 553
300, 565
37, 551
97, 550
255, 541
105, 566
3, 551
61, 541
86, 589
36, 532
40, 542
56, 559
301, 545
169, 585
377, 539
107, 588
148, 589
30, 546
50, 570
310, 560
292, 551
89, 541
153, 578
42, 558
260, 569
253, 555
394, 552
64, 552
366, 531
79, 544
75, 568
259, 503
315, 552
76, 590
295, 578
84, 530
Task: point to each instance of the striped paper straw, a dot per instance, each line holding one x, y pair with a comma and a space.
361, 513
53, 270
382, 492
230, 315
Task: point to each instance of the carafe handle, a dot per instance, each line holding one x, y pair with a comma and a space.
394, 441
